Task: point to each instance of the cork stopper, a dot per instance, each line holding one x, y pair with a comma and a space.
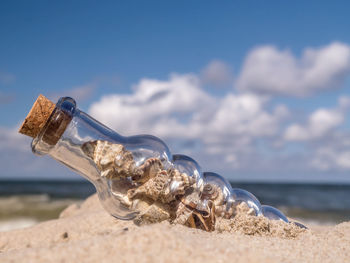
37, 116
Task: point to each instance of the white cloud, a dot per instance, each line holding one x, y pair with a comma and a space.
178, 109
332, 154
271, 71
156, 106
235, 133
344, 102
217, 73
320, 123
243, 115
328, 159
326, 144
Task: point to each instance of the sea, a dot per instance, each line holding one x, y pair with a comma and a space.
25, 203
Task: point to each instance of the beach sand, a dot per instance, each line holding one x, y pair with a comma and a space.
86, 233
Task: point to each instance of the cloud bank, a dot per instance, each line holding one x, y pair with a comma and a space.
269, 70
321, 122
246, 133
245, 126
224, 128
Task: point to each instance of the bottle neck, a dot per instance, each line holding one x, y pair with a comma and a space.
55, 126
65, 132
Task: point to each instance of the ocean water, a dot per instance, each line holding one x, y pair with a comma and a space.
309, 203
25, 203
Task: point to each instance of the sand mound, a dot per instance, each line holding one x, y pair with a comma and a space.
86, 233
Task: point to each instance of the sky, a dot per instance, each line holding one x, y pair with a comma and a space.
255, 91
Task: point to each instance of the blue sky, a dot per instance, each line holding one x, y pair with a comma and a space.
96, 51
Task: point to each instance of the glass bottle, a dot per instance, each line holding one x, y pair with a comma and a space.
120, 166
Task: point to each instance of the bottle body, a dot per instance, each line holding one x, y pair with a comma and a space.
81, 129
